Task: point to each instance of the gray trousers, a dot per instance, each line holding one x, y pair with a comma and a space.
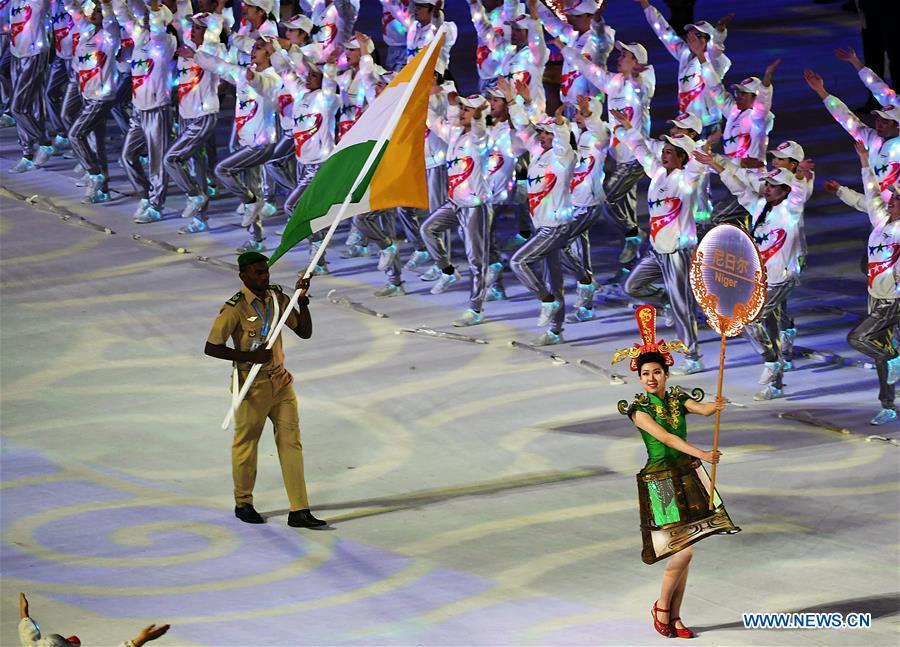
29, 76
475, 225
305, 175
149, 132
545, 244
621, 195
577, 254
281, 170
411, 219
91, 121
763, 333
63, 97
245, 159
729, 210
191, 144
872, 336
121, 110
6, 87
371, 226
672, 271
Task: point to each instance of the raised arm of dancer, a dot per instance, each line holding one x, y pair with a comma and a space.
839, 110
883, 93
644, 422
851, 198
663, 30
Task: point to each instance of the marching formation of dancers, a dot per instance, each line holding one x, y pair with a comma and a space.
301, 81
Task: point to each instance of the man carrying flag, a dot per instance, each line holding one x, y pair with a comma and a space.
248, 318
379, 164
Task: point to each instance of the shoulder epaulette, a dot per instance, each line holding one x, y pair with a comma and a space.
233, 301
627, 408
696, 394
276, 288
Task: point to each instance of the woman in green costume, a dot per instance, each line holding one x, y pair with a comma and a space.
673, 487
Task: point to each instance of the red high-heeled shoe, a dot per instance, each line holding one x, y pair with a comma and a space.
684, 632
662, 628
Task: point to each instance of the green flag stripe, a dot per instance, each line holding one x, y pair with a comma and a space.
328, 188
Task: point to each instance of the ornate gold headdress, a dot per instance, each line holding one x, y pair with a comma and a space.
646, 321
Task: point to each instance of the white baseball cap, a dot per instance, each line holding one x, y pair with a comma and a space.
266, 5
474, 101
703, 27
581, 7
779, 176
751, 84
637, 50
299, 21
688, 121
546, 124
353, 43
200, 19
494, 93
889, 112
426, 2
789, 149
519, 22
683, 142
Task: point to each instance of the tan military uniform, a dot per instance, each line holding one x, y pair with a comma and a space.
271, 396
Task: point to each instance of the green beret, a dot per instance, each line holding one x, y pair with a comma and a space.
249, 258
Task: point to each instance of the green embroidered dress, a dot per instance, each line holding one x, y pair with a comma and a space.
673, 487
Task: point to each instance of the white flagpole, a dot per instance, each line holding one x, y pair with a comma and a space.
376, 151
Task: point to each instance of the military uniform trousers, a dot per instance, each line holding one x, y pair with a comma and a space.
273, 399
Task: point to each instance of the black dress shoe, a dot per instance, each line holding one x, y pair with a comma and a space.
248, 514
304, 519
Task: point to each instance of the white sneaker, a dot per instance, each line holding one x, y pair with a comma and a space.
355, 251
251, 212
580, 314
630, 249
495, 293
547, 312
883, 417
96, 197
390, 290
195, 226
433, 273
7, 120
417, 259
769, 393
43, 155
78, 168
494, 271
60, 143
549, 338
150, 215
668, 316
387, 257
194, 206
142, 207
268, 210
584, 294
445, 281
23, 166
469, 318
96, 183
252, 246
355, 237
688, 367
770, 371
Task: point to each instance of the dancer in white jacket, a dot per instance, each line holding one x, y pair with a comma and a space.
198, 110
630, 90
691, 87
468, 205
873, 335
673, 232
550, 205
151, 119
776, 213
